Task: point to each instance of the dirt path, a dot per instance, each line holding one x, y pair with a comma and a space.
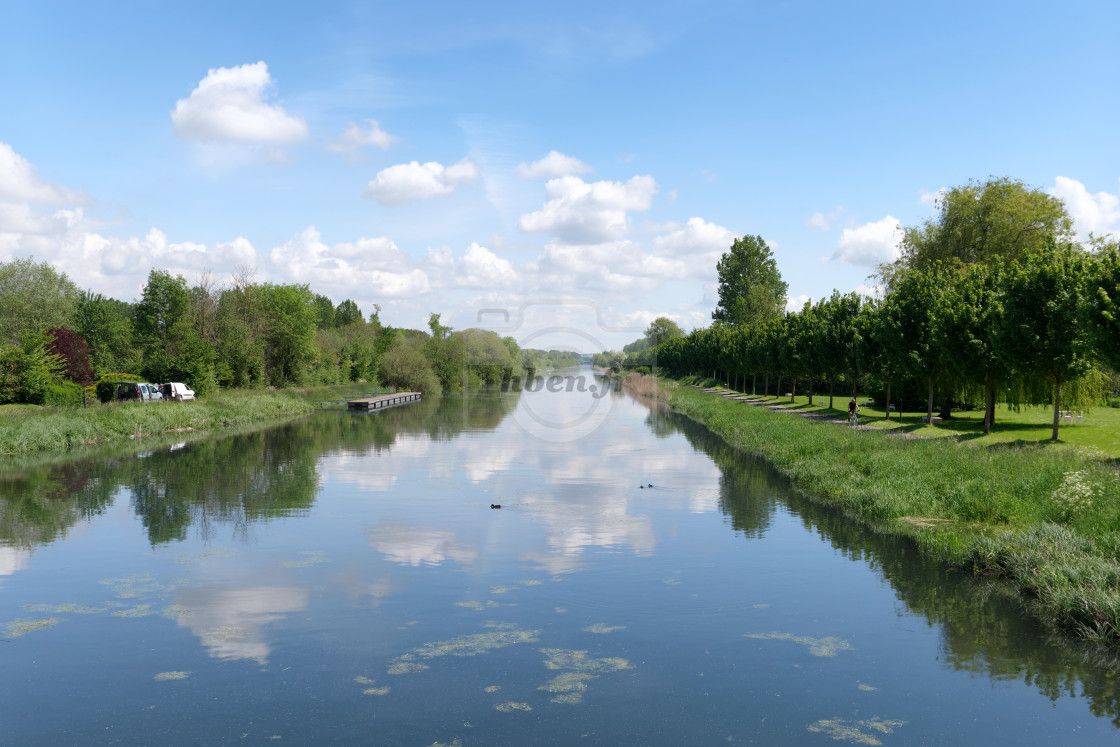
775, 407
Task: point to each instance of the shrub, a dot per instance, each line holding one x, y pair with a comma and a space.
63, 394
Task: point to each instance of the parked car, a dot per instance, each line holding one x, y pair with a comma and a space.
136, 390
177, 391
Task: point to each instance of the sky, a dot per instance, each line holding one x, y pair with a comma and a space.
563, 172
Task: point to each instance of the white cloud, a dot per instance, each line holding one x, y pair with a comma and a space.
579, 212
229, 106
20, 182
1099, 213
869, 245
822, 221
357, 136
481, 268
869, 291
931, 199
797, 303
553, 165
407, 182
374, 265
698, 243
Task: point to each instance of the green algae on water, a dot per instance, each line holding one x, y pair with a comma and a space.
167, 676
579, 661
603, 628
310, 557
16, 628
858, 732
136, 586
75, 609
512, 706
140, 610
827, 646
491, 689
500, 636
206, 557
867, 688
474, 605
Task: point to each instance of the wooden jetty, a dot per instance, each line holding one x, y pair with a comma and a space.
382, 400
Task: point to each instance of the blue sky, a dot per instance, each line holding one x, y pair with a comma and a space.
454, 157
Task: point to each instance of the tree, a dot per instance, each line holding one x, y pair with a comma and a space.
1000, 217
1105, 309
347, 313
1043, 329
73, 353
913, 311
751, 290
106, 326
34, 297
290, 322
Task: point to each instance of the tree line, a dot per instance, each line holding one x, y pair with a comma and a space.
55, 338
990, 301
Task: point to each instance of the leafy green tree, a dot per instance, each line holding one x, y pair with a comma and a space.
751, 290
1000, 217
970, 321
347, 313
1105, 308
290, 323
324, 312
34, 297
1043, 327
106, 325
27, 370
914, 310
241, 324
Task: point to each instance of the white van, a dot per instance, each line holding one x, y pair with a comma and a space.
177, 391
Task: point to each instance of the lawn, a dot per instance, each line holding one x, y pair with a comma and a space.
1099, 429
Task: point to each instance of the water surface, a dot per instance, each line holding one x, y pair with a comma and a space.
345, 580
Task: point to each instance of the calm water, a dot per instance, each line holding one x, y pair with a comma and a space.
345, 580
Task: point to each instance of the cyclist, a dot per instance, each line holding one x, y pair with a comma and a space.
853, 410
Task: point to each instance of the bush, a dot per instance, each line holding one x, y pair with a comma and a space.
63, 394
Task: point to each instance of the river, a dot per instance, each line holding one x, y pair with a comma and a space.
349, 579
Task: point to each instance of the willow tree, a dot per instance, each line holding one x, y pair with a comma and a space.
1000, 217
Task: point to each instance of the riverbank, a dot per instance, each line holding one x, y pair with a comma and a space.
26, 432
1042, 516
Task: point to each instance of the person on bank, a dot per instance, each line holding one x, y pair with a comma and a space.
853, 409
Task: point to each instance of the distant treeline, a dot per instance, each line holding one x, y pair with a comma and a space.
55, 337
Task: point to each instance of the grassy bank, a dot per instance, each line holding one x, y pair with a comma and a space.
1043, 516
29, 431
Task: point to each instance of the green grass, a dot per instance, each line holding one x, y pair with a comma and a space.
1099, 429
1042, 515
26, 432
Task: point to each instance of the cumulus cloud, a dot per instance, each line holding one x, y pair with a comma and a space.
579, 212
20, 182
357, 136
1092, 213
823, 221
229, 106
698, 243
407, 182
553, 165
869, 245
797, 303
481, 268
375, 265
